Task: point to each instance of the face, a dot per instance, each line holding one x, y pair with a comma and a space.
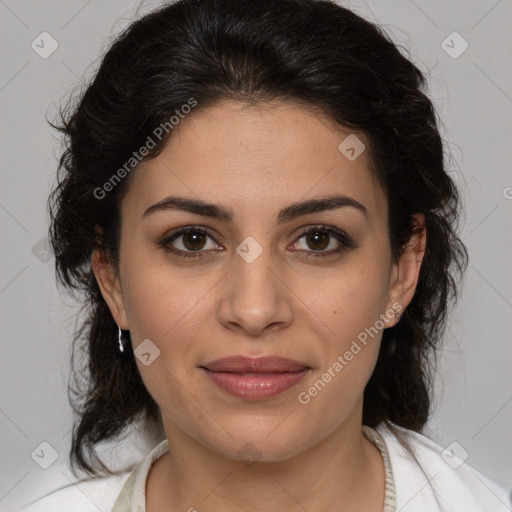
316, 286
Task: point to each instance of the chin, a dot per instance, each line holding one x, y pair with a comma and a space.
261, 444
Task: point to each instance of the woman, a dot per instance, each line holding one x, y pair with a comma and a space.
254, 202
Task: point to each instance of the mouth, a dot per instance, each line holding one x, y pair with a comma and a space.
255, 379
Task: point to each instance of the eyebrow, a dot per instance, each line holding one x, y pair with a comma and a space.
294, 210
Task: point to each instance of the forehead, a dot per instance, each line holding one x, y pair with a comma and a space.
256, 158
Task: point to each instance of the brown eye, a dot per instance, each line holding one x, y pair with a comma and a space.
194, 240
189, 242
317, 240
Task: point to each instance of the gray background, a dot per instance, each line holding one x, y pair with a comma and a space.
473, 94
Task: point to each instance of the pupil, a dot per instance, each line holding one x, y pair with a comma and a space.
195, 237
318, 237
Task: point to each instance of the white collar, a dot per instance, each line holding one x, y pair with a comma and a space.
418, 478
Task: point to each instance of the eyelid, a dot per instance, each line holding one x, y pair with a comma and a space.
169, 237
165, 240
340, 235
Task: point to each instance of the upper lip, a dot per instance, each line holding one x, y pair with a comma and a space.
266, 364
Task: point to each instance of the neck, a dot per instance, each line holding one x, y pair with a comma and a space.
342, 472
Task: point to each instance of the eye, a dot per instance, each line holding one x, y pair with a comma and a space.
191, 241
319, 238
188, 242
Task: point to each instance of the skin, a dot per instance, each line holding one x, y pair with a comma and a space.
255, 161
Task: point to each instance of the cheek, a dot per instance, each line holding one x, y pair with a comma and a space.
170, 315
346, 314
349, 354
347, 299
162, 303
163, 306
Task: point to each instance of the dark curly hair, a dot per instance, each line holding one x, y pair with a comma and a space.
313, 52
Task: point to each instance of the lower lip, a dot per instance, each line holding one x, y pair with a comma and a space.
255, 386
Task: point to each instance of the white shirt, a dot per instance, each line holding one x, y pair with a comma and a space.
423, 478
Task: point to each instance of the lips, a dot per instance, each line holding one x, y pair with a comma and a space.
255, 379
268, 364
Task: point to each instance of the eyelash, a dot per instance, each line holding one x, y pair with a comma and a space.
345, 240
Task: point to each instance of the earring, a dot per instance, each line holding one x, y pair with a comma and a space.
122, 339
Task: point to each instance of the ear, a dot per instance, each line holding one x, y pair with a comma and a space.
405, 272
110, 286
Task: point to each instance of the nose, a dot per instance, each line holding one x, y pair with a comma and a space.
255, 298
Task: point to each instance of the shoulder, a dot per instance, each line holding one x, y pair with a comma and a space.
429, 477
58, 490
84, 495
